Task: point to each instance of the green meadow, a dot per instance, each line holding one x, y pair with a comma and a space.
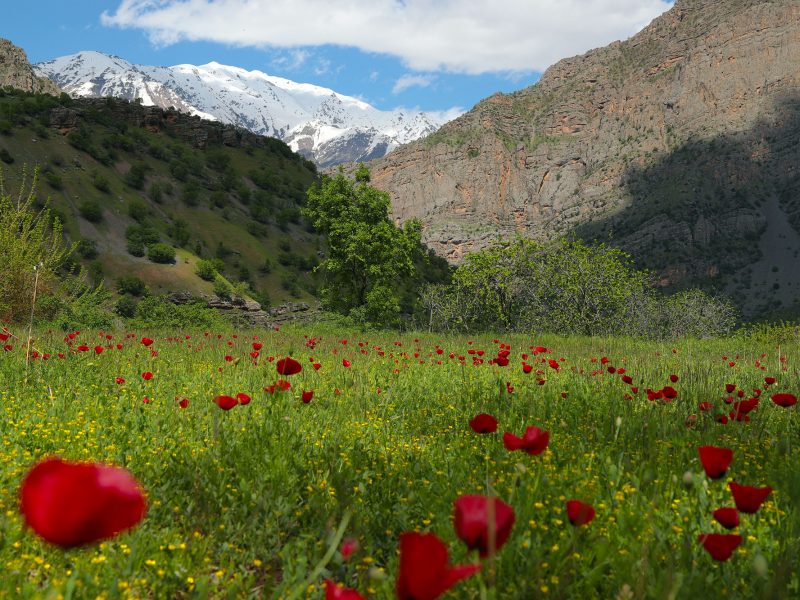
256, 501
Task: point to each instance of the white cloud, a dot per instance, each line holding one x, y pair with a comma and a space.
409, 81
464, 36
292, 60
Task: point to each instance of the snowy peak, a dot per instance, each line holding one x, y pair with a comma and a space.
323, 125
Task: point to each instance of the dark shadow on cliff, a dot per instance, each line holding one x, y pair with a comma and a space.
699, 215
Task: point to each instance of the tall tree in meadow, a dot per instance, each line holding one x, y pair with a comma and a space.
369, 257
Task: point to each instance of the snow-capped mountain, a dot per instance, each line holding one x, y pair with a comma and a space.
327, 127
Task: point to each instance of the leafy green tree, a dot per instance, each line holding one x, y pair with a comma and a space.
32, 250
368, 256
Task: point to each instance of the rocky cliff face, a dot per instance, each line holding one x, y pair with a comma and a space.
16, 71
669, 144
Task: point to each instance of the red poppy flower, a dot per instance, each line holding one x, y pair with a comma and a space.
473, 527
98, 349
183, 402
225, 402
288, 366
147, 375
784, 400
228, 358
424, 572
553, 363
345, 363
533, 442
715, 460
4, 336
119, 380
8, 347
727, 517
243, 398
526, 368
316, 366
627, 379
748, 499
349, 546
334, 591
729, 387
83, 348
257, 346
673, 378
71, 504
483, 423
670, 393
146, 341
769, 380
306, 396
579, 513
720, 545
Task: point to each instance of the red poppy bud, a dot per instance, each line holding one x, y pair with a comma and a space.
243, 398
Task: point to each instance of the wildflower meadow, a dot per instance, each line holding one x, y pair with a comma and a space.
310, 462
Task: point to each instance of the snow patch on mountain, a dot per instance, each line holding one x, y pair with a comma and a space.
319, 123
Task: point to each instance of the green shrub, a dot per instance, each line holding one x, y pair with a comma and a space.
126, 307
138, 211
87, 248
161, 253
101, 183
206, 269
91, 211
132, 285
157, 312
53, 179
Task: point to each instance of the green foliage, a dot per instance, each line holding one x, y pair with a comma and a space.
136, 175
368, 256
87, 248
138, 211
91, 211
566, 288
126, 307
53, 179
132, 285
32, 251
206, 269
155, 311
101, 183
161, 253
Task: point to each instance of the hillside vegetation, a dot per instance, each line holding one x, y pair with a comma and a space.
132, 183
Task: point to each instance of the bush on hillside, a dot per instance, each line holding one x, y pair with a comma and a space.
161, 253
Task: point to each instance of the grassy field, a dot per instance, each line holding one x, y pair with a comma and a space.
255, 501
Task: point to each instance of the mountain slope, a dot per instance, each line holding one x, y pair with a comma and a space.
676, 145
122, 177
16, 71
327, 127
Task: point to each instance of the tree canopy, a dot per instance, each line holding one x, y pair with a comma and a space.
369, 257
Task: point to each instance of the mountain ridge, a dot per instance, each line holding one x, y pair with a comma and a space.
566, 156
319, 123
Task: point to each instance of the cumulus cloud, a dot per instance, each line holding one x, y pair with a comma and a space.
461, 36
409, 81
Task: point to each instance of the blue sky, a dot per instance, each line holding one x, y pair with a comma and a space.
429, 54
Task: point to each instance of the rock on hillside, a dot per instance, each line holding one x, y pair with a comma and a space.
669, 144
16, 71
